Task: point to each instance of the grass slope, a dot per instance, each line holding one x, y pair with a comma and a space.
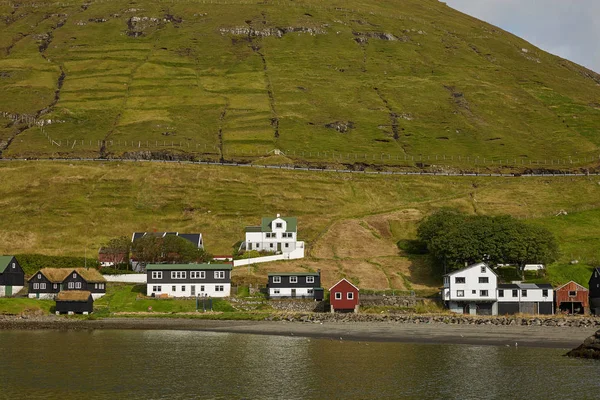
350, 222
237, 79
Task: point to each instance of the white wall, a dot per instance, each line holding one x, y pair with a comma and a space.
533, 295
127, 278
15, 290
294, 255
472, 276
287, 292
209, 289
43, 296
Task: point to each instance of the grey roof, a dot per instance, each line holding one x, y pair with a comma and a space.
479, 264
195, 238
159, 267
4, 262
525, 286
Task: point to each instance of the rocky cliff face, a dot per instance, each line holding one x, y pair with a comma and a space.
589, 349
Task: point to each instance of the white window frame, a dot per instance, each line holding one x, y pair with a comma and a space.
277, 279
350, 296
460, 293
178, 274
219, 274
310, 291
338, 295
157, 288
197, 274
43, 286
279, 225
36, 286
310, 279
293, 279
219, 288
70, 285
484, 293
483, 270
173, 288
456, 278
202, 288
55, 286
157, 275
484, 279
74, 274
39, 276
500, 292
77, 285
276, 291
183, 288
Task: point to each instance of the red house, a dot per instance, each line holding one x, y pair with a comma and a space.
572, 298
343, 296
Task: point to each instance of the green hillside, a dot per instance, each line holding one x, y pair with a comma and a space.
348, 81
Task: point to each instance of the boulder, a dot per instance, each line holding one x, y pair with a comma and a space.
589, 349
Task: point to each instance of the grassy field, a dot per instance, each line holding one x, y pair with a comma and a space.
16, 306
351, 222
350, 82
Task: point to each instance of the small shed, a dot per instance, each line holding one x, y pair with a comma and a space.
572, 298
343, 296
74, 302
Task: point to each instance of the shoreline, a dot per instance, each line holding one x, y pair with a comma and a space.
490, 335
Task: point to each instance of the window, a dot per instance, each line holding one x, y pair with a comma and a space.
156, 274
523, 293
183, 288
484, 279
460, 293
287, 245
13, 265
483, 293
39, 276
77, 285
500, 293
257, 246
198, 274
70, 285
350, 295
278, 225
338, 295
42, 286
310, 279
310, 291
55, 286
276, 279
545, 293
101, 286
515, 293
271, 245
287, 235
473, 291
202, 288
36, 286
276, 291
572, 293
156, 288
74, 275
483, 270
174, 288
219, 274
219, 288
178, 274
459, 280
293, 279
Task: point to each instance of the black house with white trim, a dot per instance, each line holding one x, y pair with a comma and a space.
12, 277
304, 285
594, 285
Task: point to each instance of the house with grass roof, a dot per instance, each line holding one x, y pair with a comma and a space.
188, 280
74, 302
12, 277
48, 282
277, 235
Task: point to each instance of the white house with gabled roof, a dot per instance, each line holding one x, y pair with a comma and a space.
278, 235
471, 290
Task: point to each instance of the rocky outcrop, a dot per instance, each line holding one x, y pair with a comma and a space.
589, 349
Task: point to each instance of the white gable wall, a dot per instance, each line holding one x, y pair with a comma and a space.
471, 289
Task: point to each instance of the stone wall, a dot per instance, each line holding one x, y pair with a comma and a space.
388, 301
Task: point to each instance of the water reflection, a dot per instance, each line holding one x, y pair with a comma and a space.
187, 365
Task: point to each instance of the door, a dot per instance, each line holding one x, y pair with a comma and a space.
193, 290
37, 295
466, 309
293, 292
278, 246
8, 291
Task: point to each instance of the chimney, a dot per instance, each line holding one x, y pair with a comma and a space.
278, 215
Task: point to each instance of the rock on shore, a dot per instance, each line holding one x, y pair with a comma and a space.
589, 349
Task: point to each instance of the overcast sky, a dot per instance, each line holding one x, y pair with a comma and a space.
567, 28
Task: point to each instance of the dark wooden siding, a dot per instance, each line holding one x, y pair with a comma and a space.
75, 306
595, 285
42, 279
91, 287
285, 282
508, 308
344, 304
167, 280
13, 276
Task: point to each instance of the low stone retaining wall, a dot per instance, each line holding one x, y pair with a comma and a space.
584, 322
288, 305
388, 301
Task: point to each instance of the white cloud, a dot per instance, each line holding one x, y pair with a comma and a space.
569, 29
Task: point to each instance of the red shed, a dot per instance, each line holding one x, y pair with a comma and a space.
343, 296
572, 298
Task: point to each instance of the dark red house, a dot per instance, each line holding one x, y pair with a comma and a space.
343, 296
572, 298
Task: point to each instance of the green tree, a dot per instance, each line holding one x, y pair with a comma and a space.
117, 250
169, 249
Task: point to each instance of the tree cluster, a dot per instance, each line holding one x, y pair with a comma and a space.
169, 249
454, 239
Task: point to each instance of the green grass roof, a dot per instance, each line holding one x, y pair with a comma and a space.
155, 267
4, 261
292, 224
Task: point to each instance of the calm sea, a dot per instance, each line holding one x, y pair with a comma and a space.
198, 365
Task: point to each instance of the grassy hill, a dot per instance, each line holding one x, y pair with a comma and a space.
350, 82
350, 222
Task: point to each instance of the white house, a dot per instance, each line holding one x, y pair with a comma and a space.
189, 280
526, 298
278, 235
471, 290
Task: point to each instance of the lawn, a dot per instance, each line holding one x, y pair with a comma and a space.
16, 306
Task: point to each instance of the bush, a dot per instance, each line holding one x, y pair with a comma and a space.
412, 246
31, 263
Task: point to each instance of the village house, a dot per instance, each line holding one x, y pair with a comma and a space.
276, 235
305, 285
48, 282
525, 298
594, 285
471, 290
188, 280
74, 302
343, 296
572, 298
12, 277
108, 258
194, 238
